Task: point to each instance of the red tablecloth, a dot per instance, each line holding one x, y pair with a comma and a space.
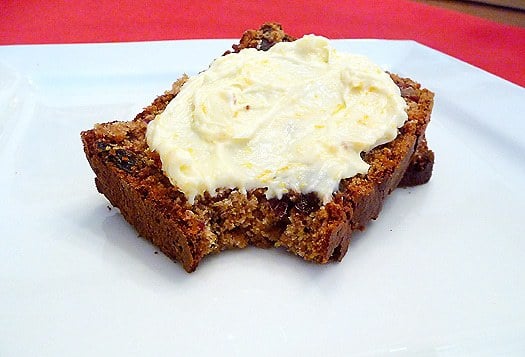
497, 48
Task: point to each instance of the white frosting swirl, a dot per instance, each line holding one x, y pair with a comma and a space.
295, 117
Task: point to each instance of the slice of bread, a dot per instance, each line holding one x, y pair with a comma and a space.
131, 177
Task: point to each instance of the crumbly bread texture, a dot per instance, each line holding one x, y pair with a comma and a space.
129, 174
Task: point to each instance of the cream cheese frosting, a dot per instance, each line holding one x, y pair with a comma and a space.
295, 117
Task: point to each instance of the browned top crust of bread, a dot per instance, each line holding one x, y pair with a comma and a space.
263, 39
130, 175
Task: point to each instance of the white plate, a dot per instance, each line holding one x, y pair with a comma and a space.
442, 272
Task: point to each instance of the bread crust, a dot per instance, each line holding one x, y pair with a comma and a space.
130, 175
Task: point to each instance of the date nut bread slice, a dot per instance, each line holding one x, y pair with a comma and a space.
130, 175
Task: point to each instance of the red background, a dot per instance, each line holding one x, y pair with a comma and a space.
497, 48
